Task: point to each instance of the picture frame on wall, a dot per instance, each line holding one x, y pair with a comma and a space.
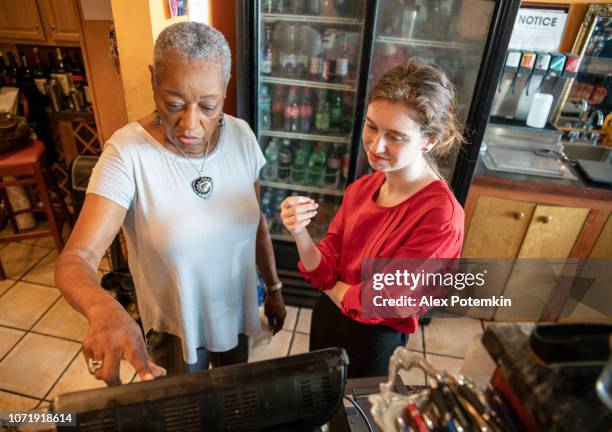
177, 7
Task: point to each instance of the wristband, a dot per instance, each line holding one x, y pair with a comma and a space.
276, 287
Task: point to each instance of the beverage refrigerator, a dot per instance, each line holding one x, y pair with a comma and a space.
304, 69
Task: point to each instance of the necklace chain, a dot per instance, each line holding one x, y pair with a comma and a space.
189, 159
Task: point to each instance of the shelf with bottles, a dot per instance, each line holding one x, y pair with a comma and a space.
430, 43
57, 73
321, 19
307, 83
303, 136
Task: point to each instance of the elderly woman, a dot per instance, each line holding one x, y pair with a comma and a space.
182, 182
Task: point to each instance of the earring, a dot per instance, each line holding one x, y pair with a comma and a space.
156, 119
221, 121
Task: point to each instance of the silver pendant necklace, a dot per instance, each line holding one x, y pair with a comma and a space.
202, 185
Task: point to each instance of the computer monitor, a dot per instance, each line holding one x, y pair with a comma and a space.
295, 393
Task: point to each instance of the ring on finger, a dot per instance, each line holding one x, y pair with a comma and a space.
94, 365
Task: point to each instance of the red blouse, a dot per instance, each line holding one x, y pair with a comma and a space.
429, 224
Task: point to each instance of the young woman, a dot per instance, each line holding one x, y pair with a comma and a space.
403, 210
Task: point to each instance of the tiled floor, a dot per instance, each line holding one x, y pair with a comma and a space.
40, 335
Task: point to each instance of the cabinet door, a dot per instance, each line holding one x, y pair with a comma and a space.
603, 247
19, 20
61, 20
552, 232
497, 228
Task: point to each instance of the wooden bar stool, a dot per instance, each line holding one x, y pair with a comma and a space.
28, 165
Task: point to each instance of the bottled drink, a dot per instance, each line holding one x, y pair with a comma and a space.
266, 61
300, 163
314, 7
342, 59
13, 68
270, 169
278, 108
60, 61
5, 77
303, 51
334, 166
335, 111
265, 103
322, 113
285, 160
266, 6
287, 56
321, 218
292, 111
39, 69
277, 221
306, 111
316, 166
26, 72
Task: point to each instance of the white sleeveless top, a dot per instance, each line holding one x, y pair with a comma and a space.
192, 259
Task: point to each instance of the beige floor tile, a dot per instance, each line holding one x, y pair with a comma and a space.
62, 320
18, 258
449, 364
303, 323
478, 364
278, 347
13, 402
33, 366
415, 340
8, 339
291, 318
78, 378
43, 272
5, 285
47, 242
300, 344
25, 303
451, 336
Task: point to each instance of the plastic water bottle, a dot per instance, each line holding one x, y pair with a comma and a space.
270, 169
300, 162
265, 106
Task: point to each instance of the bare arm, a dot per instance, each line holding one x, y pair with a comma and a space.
112, 333
274, 307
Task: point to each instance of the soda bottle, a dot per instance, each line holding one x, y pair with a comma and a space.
287, 57
285, 160
292, 111
321, 218
300, 162
278, 108
303, 51
335, 111
316, 166
322, 114
270, 169
266, 61
266, 206
277, 221
333, 167
265, 103
314, 7
342, 59
306, 111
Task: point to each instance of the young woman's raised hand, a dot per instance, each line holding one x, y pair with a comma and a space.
297, 212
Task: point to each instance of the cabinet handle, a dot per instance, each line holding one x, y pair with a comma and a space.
545, 219
52, 27
518, 215
36, 26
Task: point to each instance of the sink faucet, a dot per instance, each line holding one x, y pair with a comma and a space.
598, 117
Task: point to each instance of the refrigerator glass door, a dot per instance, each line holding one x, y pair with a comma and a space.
449, 33
307, 74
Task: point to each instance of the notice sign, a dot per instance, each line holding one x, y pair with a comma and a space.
538, 29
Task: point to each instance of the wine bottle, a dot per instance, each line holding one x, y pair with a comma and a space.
26, 72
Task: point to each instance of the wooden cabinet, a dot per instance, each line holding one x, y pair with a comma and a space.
20, 20
552, 232
61, 20
497, 228
511, 219
603, 247
46, 22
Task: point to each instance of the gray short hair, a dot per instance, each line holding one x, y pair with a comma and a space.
193, 41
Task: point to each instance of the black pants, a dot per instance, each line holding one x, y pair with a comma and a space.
368, 346
167, 352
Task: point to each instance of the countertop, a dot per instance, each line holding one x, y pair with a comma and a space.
580, 188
